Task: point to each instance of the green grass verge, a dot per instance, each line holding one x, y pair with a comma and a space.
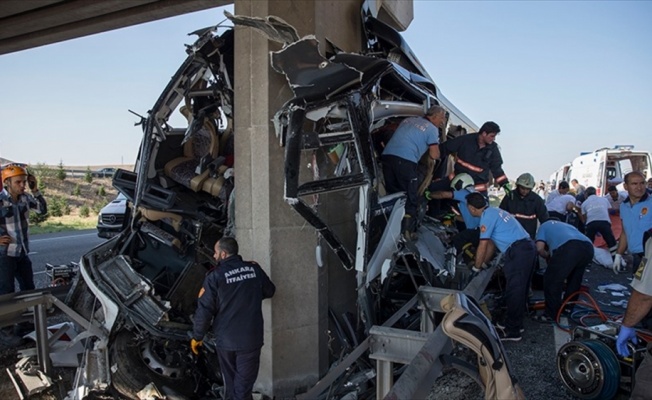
63, 224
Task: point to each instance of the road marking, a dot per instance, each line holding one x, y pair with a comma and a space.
64, 237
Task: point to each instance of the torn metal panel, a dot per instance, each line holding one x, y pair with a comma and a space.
272, 27
309, 74
132, 290
388, 244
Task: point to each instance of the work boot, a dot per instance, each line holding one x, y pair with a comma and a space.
7, 338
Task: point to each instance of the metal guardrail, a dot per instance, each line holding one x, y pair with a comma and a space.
13, 307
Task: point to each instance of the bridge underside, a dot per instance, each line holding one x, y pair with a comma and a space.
34, 23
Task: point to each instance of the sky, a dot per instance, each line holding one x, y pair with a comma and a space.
560, 78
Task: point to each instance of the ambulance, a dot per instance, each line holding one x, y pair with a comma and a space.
559, 175
607, 167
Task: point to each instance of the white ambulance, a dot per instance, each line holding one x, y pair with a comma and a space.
558, 176
606, 167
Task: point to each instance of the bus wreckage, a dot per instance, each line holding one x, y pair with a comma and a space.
133, 290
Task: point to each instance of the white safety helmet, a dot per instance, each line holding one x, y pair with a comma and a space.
462, 181
526, 180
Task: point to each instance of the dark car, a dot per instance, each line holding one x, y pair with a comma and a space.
104, 173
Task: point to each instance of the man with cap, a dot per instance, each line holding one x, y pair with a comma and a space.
15, 206
413, 138
595, 214
636, 214
568, 252
466, 241
498, 228
525, 205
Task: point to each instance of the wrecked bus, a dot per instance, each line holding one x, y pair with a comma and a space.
135, 287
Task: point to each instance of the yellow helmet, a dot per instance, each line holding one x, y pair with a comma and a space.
12, 170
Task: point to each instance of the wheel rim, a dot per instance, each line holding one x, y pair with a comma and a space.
589, 369
163, 360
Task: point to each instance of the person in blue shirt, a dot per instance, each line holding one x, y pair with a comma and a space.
412, 139
500, 229
568, 253
466, 240
636, 215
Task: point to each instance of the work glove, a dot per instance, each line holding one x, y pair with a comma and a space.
507, 188
618, 263
31, 182
625, 335
427, 194
195, 345
475, 271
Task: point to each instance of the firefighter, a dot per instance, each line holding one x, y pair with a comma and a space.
230, 302
525, 205
476, 154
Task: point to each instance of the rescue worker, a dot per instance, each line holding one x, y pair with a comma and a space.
638, 307
568, 253
562, 189
527, 206
649, 186
636, 216
559, 206
579, 190
615, 199
595, 214
412, 139
230, 301
15, 206
476, 154
498, 228
466, 240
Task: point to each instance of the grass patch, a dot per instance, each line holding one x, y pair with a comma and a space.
64, 224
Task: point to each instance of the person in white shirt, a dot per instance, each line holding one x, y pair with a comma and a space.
595, 214
559, 207
562, 189
615, 199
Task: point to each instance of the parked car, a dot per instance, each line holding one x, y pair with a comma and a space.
104, 173
111, 219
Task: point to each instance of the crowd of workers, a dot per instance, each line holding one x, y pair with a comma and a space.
562, 229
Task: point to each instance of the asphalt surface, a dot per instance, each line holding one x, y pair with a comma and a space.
59, 248
533, 360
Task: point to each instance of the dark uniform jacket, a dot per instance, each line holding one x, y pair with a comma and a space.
527, 210
231, 298
475, 161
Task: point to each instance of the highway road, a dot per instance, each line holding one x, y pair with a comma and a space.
59, 248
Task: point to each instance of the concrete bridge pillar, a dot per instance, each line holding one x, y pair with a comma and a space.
295, 354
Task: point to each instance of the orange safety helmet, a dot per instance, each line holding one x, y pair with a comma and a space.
12, 170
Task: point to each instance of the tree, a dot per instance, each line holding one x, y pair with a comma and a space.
88, 175
61, 173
